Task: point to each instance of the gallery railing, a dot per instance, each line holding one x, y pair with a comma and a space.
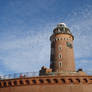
33, 74
19, 75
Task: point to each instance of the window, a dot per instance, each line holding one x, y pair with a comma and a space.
58, 39
60, 64
60, 47
60, 56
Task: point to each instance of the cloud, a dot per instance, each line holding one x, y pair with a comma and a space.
81, 24
85, 64
32, 50
28, 53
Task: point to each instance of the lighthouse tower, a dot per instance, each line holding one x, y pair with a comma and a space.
62, 54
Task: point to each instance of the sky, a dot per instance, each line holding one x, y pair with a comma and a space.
25, 28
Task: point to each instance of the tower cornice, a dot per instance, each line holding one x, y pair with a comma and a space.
53, 35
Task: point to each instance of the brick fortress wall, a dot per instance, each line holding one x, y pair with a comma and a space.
48, 84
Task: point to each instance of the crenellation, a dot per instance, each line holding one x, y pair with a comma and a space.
59, 80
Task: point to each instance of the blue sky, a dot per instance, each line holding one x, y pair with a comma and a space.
25, 28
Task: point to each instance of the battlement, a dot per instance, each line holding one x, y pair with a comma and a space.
46, 80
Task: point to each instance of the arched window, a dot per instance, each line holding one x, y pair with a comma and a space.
60, 56
60, 47
58, 39
60, 64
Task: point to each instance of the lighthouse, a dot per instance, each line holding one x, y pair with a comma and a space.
62, 50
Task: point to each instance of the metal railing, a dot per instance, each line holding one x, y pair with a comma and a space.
34, 74
19, 75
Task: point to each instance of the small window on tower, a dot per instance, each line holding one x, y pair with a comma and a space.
60, 56
60, 47
60, 64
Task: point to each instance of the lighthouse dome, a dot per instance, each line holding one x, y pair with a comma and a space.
61, 25
61, 28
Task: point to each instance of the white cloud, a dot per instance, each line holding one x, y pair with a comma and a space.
81, 26
85, 64
29, 53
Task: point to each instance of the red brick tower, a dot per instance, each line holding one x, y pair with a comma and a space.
62, 55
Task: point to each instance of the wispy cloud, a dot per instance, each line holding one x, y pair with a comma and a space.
28, 53
28, 50
81, 26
